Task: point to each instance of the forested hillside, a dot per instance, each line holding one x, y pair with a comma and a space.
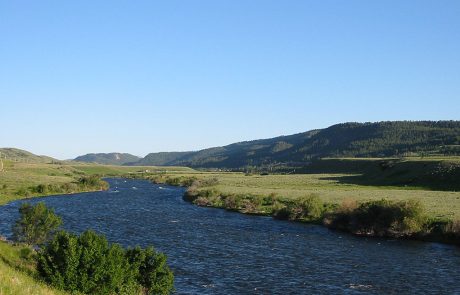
381, 139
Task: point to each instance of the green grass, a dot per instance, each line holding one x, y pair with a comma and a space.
438, 203
17, 274
329, 187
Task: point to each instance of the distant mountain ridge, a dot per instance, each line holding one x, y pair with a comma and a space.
108, 158
380, 139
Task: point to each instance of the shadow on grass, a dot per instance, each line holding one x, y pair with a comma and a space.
400, 180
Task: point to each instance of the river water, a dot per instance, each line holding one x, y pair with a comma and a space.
213, 251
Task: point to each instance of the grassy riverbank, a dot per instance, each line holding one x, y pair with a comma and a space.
17, 273
384, 212
20, 180
395, 206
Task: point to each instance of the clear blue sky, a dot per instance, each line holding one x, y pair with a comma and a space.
148, 76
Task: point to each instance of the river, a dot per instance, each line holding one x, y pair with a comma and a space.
213, 251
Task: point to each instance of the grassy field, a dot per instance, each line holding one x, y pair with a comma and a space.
443, 204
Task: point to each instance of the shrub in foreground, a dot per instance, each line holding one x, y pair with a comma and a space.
150, 270
90, 265
36, 224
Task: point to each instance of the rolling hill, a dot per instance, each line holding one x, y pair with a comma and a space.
108, 158
19, 155
380, 139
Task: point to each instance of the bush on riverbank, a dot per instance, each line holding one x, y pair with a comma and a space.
309, 208
172, 180
85, 183
89, 264
380, 218
383, 218
92, 182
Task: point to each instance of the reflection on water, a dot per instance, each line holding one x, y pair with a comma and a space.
213, 251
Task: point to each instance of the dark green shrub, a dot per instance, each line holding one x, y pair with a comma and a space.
58, 262
150, 270
385, 218
269, 200
41, 189
92, 181
36, 224
89, 264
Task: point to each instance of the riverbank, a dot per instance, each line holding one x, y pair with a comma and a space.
390, 218
20, 180
24, 180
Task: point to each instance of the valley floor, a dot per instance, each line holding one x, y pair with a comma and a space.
22, 180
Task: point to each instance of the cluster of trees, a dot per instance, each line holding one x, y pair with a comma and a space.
88, 263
